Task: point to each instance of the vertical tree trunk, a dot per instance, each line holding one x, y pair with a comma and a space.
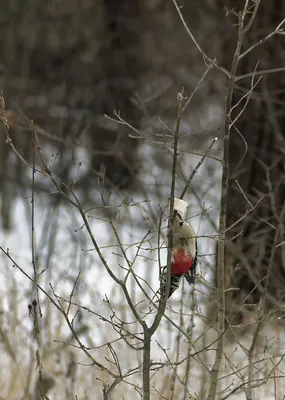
257, 148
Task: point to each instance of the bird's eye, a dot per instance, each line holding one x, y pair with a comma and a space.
181, 223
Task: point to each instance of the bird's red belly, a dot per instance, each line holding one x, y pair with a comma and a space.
181, 263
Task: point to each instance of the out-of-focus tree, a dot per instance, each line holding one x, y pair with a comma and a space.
256, 161
66, 64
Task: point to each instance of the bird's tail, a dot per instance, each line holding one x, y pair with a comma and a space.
174, 283
190, 279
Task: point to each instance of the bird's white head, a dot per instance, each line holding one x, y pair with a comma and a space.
180, 206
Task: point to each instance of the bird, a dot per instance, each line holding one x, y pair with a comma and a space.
184, 254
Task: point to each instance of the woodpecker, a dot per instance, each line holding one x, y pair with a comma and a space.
184, 254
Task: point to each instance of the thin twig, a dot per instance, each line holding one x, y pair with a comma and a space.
261, 72
261, 41
201, 51
197, 168
188, 101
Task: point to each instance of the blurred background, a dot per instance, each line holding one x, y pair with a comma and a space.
65, 65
